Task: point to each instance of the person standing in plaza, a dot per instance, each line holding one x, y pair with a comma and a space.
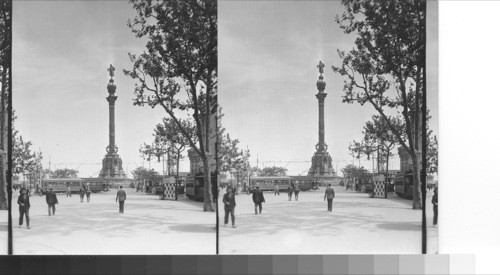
435, 205
258, 199
82, 194
290, 192
121, 196
24, 207
329, 195
296, 190
229, 205
51, 200
68, 192
276, 189
87, 192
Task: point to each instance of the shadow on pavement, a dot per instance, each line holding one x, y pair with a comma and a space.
409, 226
312, 216
194, 228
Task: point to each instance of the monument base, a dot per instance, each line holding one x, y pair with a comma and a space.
321, 165
112, 168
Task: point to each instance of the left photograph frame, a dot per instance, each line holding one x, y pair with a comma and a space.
5, 126
113, 129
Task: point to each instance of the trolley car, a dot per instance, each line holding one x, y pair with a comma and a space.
195, 186
305, 182
403, 185
96, 184
269, 183
60, 185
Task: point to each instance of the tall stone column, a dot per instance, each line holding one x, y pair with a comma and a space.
112, 164
321, 165
111, 100
321, 95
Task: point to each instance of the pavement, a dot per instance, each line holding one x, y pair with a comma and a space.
357, 225
148, 226
3, 232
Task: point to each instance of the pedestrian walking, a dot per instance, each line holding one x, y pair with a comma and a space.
290, 192
82, 194
68, 192
258, 199
435, 205
24, 207
296, 191
87, 192
329, 195
276, 190
121, 196
229, 205
51, 200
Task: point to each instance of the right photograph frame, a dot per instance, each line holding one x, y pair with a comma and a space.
326, 109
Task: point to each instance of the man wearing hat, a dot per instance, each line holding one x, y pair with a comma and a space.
121, 196
229, 205
258, 199
24, 207
435, 205
51, 200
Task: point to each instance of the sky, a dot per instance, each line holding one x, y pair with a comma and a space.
61, 52
268, 53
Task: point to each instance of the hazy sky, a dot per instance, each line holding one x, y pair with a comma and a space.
268, 52
61, 50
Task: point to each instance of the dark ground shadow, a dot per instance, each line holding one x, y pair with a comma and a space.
407, 226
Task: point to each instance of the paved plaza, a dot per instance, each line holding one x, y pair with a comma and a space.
357, 225
148, 226
3, 231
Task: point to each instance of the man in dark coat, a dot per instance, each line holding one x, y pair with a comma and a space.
82, 194
121, 196
51, 200
258, 199
435, 205
329, 195
24, 207
88, 191
290, 192
229, 205
296, 190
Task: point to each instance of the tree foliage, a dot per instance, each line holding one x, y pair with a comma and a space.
352, 171
64, 173
386, 67
274, 171
432, 154
233, 160
140, 173
181, 55
169, 134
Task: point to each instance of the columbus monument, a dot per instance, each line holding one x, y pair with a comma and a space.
112, 164
321, 165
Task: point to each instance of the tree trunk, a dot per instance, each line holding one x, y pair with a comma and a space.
417, 193
387, 164
3, 143
208, 205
